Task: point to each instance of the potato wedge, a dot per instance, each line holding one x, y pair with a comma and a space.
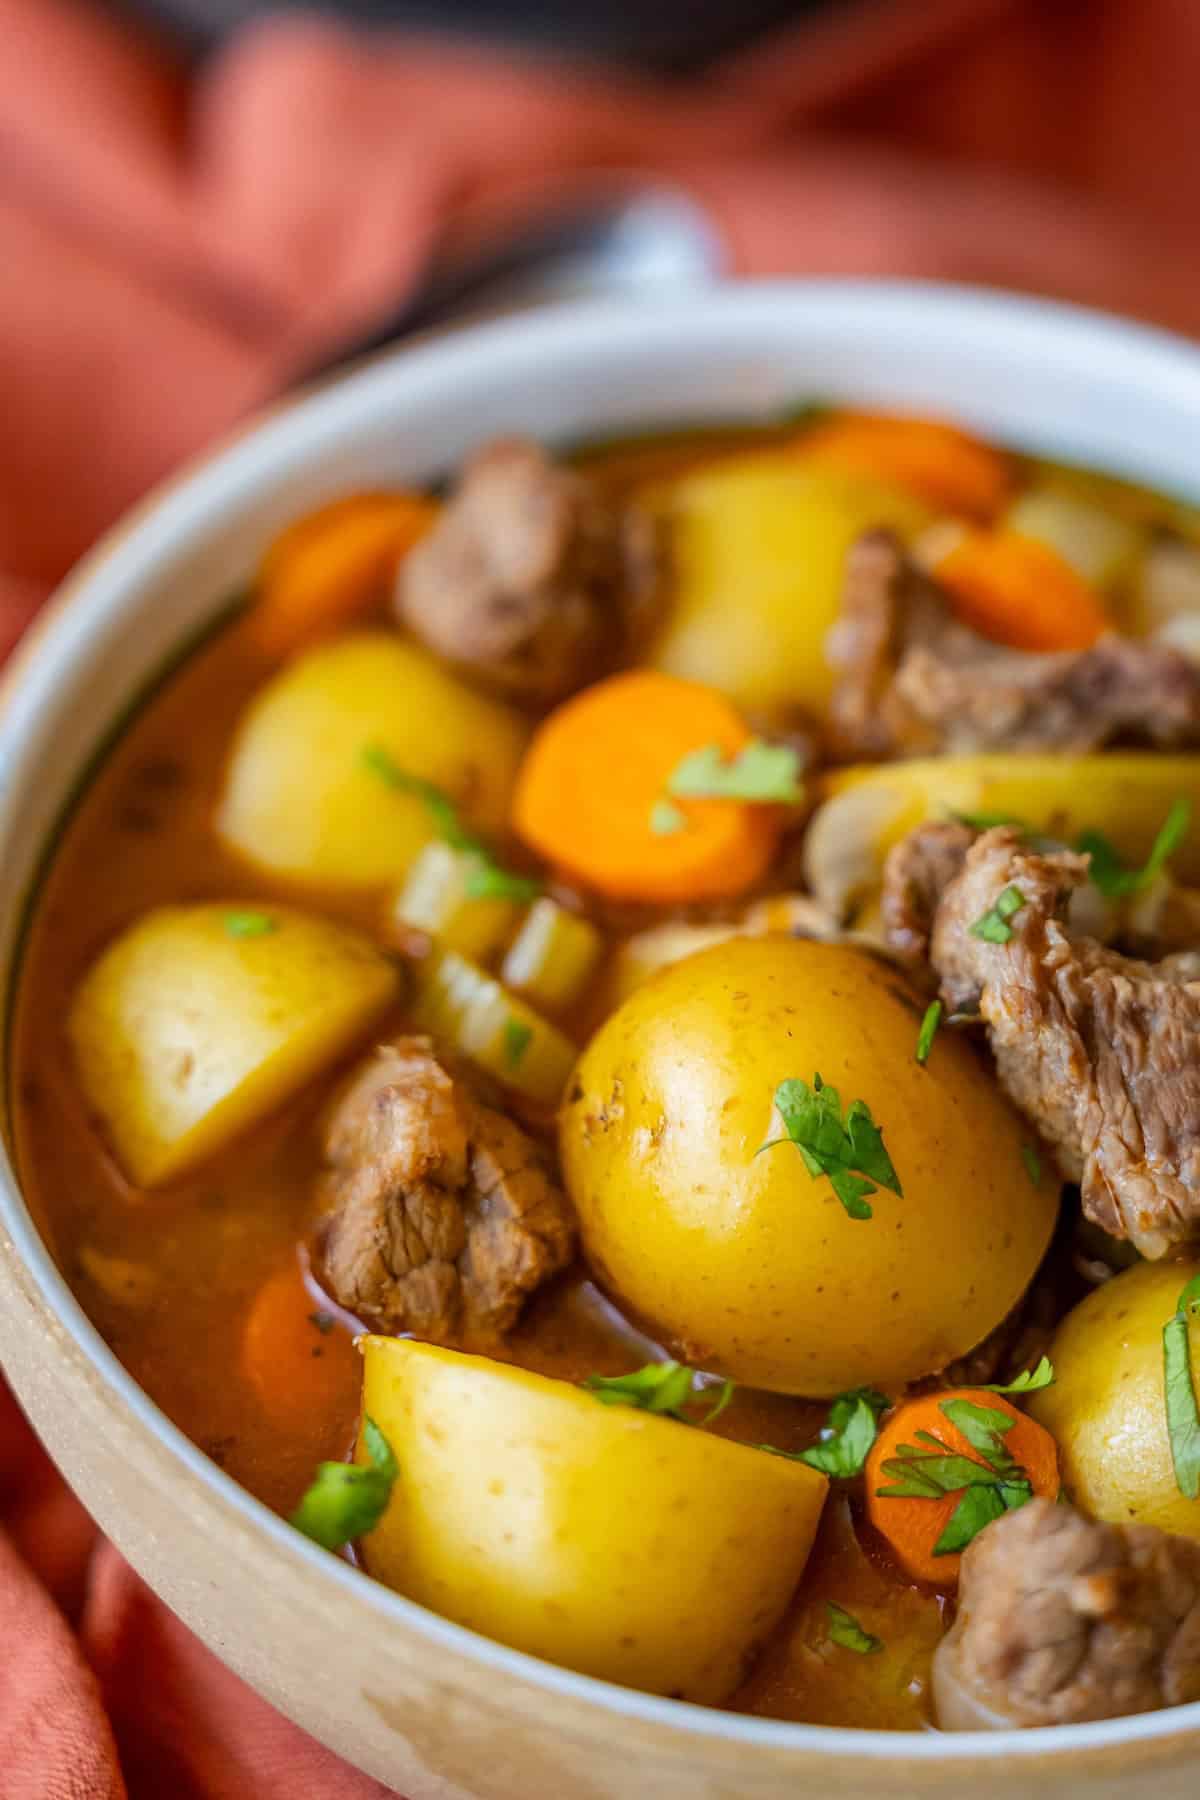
307, 793
199, 1020
608, 1540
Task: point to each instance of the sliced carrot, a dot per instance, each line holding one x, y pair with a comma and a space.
1019, 592
335, 565
597, 774
299, 1361
942, 465
912, 1526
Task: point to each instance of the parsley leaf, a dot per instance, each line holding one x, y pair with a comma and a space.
666, 819
346, 1500
993, 925
486, 878
987, 821
1183, 1415
517, 1038
928, 1031
849, 1152
984, 1428
1030, 1381
768, 774
1033, 1164
846, 1632
249, 924
978, 1507
846, 1437
1108, 872
665, 1387
986, 1489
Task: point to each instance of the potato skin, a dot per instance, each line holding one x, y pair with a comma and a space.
744, 1262
301, 800
1107, 1407
608, 1540
185, 1032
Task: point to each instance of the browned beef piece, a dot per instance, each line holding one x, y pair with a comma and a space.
913, 681
440, 1216
916, 873
1062, 1619
531, 580
1099, 1050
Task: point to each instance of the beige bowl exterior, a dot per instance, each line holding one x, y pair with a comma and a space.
432, 1710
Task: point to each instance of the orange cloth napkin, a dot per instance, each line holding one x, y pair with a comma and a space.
174, 250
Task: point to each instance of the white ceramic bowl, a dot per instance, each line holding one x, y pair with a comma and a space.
432, 1709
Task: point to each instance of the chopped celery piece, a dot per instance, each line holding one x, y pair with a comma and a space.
1100, 546
458, 1002
552, 957
437, 898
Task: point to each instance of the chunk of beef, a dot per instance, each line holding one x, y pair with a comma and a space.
914, 681
916, 873
531, 580
1099, 1050
1061, 1619
440, 1216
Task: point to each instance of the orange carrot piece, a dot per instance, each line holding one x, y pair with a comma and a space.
944, 466
911, 1527
1020, 592
333, 566
299, 1361
596, 772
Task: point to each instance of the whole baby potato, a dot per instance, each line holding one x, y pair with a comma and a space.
1107, 1407
608, 1540
740, 1258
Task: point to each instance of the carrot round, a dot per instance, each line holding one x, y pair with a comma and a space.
595, 781
1020, 592
942, 465
911, 1527
298, 1360
333, 566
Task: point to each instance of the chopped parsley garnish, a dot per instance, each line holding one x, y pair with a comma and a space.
849, 1151
988, 821
848, 1634
1033, 1164
993, 926
768, 774
517, 1038
1183, 1416
249, 924
486, 878
986, 1489
666, 819
1029, 1381
666, 1387
928, 1031
846, 1436
346, 1500
1108, 872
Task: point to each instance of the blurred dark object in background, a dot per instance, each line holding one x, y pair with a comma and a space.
663, 35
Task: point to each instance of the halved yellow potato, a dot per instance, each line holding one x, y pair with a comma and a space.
611, 1541
870, 807
319, 786
758, 546
199, 1020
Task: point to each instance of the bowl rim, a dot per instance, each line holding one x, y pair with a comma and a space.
95, 591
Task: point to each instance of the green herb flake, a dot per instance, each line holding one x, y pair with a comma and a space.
1030, 1381
1108, 873
517, 1039
1183, 1415
666, 1388
927, 1470
766, 774
667, 819
846, 1632
249, 924
989, 821
928, 1031
850, 1151
846, 1437
993, 926
346, 1500
486, 878
1033, 1164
